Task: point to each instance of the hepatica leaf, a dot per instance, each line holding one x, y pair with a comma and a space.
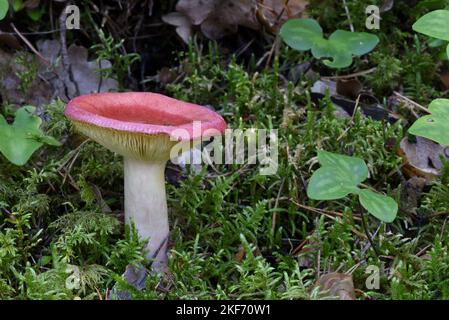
353, 168
306, 34
326, 184
382, 207
434, 24
435, 125
339, 176
301, 34
4, 5
21, 139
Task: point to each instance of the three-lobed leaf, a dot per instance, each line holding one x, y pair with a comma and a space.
353, 168
339, 176
307, 34
435, 125
326, 184
21, 139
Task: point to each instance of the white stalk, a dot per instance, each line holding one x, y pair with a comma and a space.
146, 206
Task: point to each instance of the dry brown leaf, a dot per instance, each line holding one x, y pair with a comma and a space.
227, 16
350, 88
336, 285
273, 13
9, 40
218, 18
182, 24
85, 77
422, 159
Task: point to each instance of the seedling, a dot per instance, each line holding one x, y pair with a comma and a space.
307, 34
21, 139
434, 24
341, 175
434, 126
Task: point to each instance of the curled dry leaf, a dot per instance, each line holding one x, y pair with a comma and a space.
85, 76
272, 13
422, 159
218, 18
336, 285
182, 24
9, 40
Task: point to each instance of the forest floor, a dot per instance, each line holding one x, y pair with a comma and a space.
235, 234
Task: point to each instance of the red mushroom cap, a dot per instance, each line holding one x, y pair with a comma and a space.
141, 124
143, 112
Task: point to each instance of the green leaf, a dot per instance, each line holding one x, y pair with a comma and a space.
20, 140
339, 176
447, 51
326, 184
301, 34
306, 34
359, 43
17, 5
353, 168
382, 207
434, 126
35, 14
435, 43
4, 5
434, 24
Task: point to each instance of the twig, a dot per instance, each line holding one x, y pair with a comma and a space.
327, 213
351, 75
413, 103
32, 48
351, 26
273, 217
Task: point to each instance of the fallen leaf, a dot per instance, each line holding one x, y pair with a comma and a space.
349, 87
182, 24
85, 75
218, 18
9, 40
273, 13
410, 193
422, 159
337, 286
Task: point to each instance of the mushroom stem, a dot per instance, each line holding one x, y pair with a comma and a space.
146, 206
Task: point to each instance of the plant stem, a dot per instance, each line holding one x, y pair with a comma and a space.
368, 235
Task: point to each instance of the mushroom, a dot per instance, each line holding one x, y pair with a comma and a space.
143, 128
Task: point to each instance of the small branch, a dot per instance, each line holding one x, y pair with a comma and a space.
409, 101
351, 26
352, 75
32, 48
